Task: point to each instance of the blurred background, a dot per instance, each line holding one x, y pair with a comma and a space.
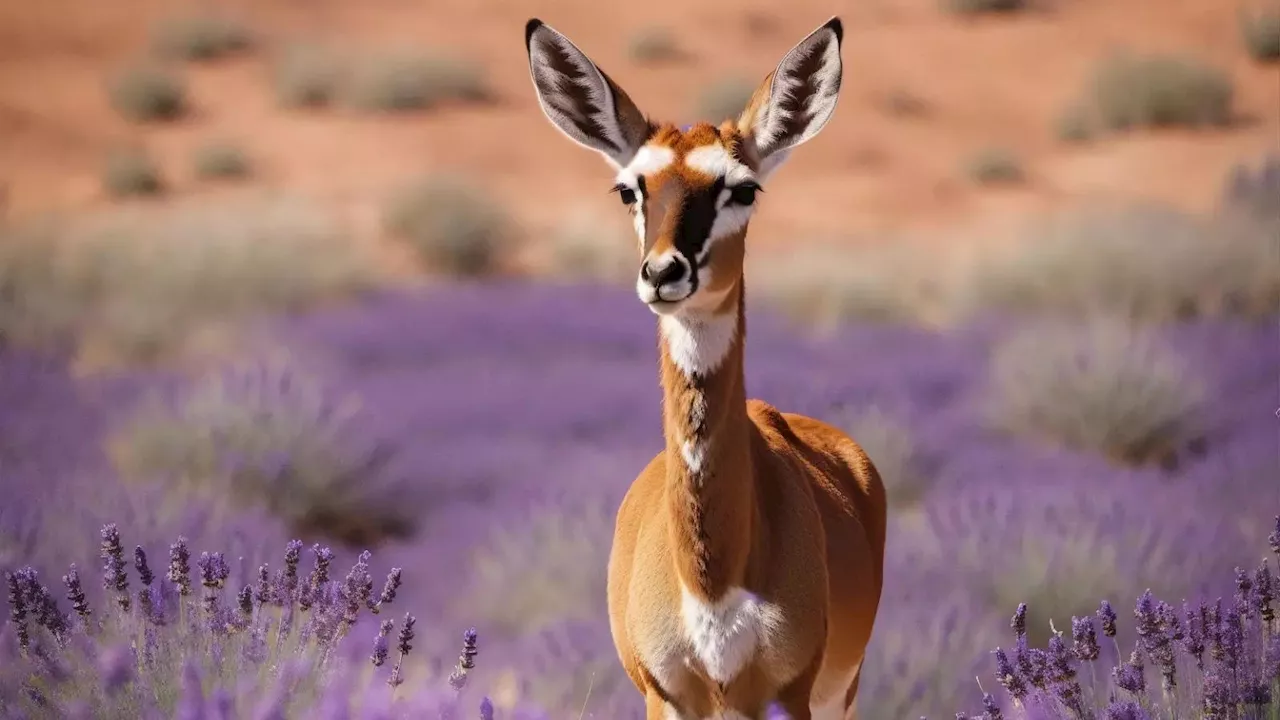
323, 270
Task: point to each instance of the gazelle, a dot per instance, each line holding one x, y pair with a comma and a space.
748, 555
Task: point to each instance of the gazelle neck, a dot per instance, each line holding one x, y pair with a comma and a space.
710, 483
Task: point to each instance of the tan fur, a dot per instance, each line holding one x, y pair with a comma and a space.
778, 507
793, 512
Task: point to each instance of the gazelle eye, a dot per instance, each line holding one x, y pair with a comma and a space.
744, 194
627, 194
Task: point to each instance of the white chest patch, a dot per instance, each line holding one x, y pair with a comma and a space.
726, 635
698, 345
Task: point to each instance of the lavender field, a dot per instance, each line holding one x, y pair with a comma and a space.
1068, 440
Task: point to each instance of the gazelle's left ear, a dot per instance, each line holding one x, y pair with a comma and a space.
797, 99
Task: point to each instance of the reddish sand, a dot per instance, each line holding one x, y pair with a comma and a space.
874, 170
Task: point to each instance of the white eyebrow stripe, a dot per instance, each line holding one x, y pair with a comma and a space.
648, 160
715, 160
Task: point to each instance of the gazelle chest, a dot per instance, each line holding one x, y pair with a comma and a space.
724, 635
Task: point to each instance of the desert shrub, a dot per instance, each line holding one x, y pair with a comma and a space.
38, 306
827, 283
1209, 660
1131, 91
205, 37
1075, 124
221, 160
306, 76
589, 247
278, 645
271, 436
1254, 193
994, 166
1261, 33
889, 443
1105, 387
453, 225
974, 7
724, 99
653, 45
548, 570
138, 286
131, 171
394, 82
1144, 262
147, 93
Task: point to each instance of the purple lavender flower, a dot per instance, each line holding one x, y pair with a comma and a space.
1244, 593
1131, 675
403, 646
991, 711
1032, 664
381, 643
1193, 642
75, 593
1213, 629
357, 590
319, 576
1218, 703
140, 562
1019, 621
466, 661
213, 573
1084, 639
244, 601
486, 709
262, 593
1232, 633
1009, 678
41, 604
1108, 617
180, 566
113, 570
1274, 538
1264, 592
292, 556
388, 591
18, 607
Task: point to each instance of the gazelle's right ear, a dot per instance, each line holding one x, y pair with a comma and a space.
580, 99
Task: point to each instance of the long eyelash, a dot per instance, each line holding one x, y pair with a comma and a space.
617, 188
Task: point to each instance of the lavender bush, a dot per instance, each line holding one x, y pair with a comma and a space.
1106, 387
190, 641
270, 435
1215, 660
517, 403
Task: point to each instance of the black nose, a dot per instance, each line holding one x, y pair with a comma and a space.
663, 273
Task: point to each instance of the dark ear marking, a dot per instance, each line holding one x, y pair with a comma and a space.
580, 99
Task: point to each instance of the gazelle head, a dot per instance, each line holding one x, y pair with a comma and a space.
690, 191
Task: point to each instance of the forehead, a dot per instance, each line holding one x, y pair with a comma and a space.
696, 156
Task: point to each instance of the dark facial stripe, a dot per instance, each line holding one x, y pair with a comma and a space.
697, 215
